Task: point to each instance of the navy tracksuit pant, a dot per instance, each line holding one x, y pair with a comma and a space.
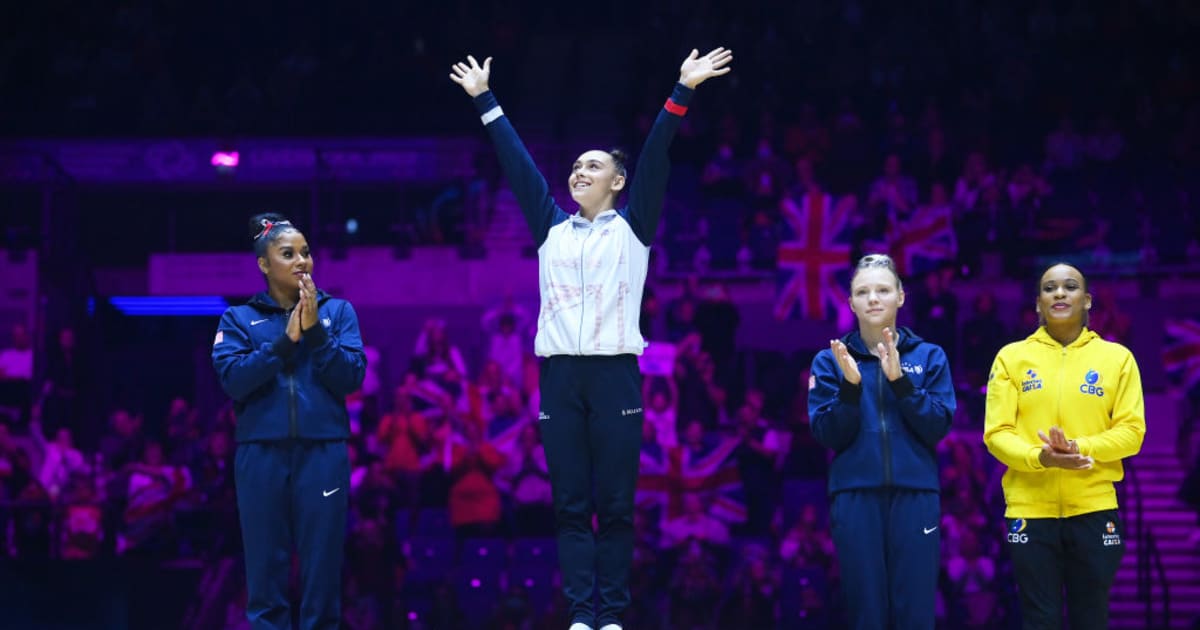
591, 426
1079, 555
293, 494
887, 542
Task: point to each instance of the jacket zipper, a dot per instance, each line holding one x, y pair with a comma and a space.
883, 431
293, 430
1062, 368
582, 287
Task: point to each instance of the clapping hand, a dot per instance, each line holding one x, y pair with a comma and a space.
846, 362
1059, 452
889, 356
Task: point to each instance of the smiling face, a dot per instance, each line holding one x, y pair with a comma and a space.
594, 180
876, 297
287, 259
1063, 299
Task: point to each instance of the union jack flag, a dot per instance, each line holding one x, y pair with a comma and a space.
811, 265
667, 474
923, 241
503, 432
1181, 356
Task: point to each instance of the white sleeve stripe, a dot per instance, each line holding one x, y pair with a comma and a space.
491, 114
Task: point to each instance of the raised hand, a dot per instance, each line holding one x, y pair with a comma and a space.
696, 69
846, 362
308, 297
889, 356
1057, 440
471, 76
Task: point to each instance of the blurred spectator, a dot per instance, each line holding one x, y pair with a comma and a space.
154, 488
60, 460
16, 374
434, 355
529, 482
694, 524
63, 384
807, 543
1107, 317
183, 442
694, 589
893, 194
124, 443
750, 601
404, 436
507, 342
1105, 144
474, 499
971, 579
1065, 148
661, 394
29, 524
760, 457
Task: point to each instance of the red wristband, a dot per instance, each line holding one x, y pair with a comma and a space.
674, 108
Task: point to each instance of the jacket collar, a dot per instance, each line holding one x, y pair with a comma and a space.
907, 342
604, 217
263, 301
1041, 336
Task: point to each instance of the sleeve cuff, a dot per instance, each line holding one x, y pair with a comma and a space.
488, 107
681, 95
284, 348
902, 386
1085, 446
1031, 458
849, 392
316, 336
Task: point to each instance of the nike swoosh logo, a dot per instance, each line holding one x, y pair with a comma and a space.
257, 322
329, 492
929, 529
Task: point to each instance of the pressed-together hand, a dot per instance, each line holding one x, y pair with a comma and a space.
696, 69
1058, 441
293, 325
889, 356
308, 297
1059, 452
473, 78
846, 362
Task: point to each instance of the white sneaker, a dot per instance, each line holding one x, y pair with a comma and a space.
611, 626
580, 626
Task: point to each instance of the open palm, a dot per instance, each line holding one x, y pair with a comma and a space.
696, 68
471, 76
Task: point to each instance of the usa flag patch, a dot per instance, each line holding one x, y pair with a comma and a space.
219, 338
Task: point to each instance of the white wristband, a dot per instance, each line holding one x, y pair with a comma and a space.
491, 114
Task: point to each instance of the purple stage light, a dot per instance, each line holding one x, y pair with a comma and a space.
225, 159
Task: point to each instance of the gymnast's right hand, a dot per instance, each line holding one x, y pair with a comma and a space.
472, 78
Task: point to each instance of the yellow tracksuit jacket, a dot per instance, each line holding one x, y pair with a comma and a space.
1092, 390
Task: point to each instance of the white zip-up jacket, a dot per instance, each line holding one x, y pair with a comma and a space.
590, 273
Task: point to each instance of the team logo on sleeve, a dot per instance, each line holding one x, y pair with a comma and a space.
1111, 537
912, 368
1016, 531
1091, 384
1031, 382
327, 322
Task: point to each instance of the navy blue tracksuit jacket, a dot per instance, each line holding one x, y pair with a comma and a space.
291, 470
884, 477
